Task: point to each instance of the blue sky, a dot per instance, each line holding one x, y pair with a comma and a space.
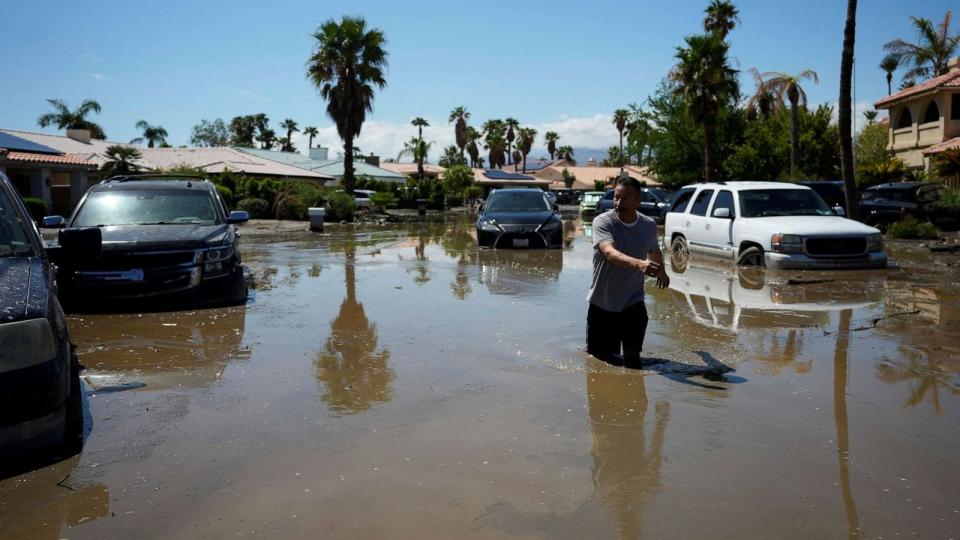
554, 65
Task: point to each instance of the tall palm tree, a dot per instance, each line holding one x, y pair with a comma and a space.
242, 131
347, 63
841, 420
764, 103
473, 136
889, 64
460, 116
310, 132
551, 138
64, 118
267, 138
704, 78
291, 126
845, 113
419, 123
566, 153
154, 135
120, 161
417, 149
930, 55
721, 17
496, 144
621, 117
512, 125
525, 139
788, 86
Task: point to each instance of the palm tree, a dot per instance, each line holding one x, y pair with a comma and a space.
930, 55
785, 85
496, 144
871, 117
472, 137
120, 161
291, 126
704, 78
620, 119
346, 65
551, 139
845, 115
242, 130
418, 150
764, 103
525, 143
419, 123
721, 18
267, 138
512, 124
310, 132
154, 135
460, 116
64, 118
566, 153
889, 64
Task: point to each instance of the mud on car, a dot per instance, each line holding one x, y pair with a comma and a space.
164, 238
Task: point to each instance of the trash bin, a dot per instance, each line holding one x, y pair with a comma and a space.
316, 218
422, 207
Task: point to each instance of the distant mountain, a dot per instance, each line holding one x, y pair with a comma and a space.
581, 154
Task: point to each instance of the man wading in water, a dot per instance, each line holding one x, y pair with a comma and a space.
625, 252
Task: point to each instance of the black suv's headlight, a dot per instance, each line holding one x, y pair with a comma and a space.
550, 226
26, 343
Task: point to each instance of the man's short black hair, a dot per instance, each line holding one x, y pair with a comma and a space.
627, 181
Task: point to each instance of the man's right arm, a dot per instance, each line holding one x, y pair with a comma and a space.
618, 258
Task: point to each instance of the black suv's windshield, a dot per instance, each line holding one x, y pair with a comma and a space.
902, 195
13, 234
518, 201
782, 202
147, 207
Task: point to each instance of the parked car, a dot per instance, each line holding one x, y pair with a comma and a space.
519, 218
887, 203
651, 204
40, 394
362, 197
164, 237
551, 197
831, 191
567, 196
769, 224
588, 205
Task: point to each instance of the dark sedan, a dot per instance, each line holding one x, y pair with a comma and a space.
519, 218
163, 238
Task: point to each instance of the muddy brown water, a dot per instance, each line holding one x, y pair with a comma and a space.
400, 383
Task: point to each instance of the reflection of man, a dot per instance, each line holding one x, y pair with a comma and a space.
625, 251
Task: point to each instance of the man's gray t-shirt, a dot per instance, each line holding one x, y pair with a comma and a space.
615, 288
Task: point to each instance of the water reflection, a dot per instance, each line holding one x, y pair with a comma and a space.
354, 374
626, 470
840, 370
515, 272
924, 374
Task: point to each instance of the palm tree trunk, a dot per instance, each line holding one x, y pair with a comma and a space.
620, 157
794, 138
845, 113
420, 168
889, 82
348, 179
708, 130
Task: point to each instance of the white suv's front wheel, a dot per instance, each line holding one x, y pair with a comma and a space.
679, 253
752, 256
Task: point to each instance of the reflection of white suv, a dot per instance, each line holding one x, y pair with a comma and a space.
772, 224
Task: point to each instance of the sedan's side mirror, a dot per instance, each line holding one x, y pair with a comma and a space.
723, 213
239, 216
54, 222
838, 210
556, 207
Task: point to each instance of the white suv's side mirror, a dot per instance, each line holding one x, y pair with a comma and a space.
838, 210
722, 213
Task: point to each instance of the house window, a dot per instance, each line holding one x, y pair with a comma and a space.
932, 114
905, 120
955, 106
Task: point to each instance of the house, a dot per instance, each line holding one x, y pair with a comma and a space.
43, 172
318, 162
586, 176
213, 160
496, 178
925, 118
410, 169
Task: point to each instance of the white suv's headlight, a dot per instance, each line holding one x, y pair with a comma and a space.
26, 343
489, 225
875, 242
787, 243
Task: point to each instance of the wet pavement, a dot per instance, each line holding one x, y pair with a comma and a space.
401, 383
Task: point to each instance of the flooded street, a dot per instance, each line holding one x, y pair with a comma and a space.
401, 383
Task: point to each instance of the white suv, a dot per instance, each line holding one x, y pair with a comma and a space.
771, 224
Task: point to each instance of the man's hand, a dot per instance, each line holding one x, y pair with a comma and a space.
648, 267
663, 280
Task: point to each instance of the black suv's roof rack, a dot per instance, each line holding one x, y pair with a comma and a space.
133, 177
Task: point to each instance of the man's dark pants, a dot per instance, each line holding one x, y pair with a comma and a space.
607, 331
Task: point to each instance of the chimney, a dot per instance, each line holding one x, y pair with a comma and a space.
954, 64
320, 153
372, 160
80, 135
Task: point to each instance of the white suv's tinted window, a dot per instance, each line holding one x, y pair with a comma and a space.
724, 200
701, 203
682, 200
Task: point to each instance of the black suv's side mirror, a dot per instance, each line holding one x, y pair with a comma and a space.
85, 243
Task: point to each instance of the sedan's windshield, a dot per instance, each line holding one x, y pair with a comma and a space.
518, 201
147, 207
782, 202
13, 234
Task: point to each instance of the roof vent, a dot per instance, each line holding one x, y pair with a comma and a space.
80, 135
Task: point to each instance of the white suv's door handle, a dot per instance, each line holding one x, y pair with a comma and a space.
708, 226
687, 224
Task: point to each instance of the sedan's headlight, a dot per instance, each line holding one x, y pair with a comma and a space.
551, 225
26, 343
489, 225
218, 254
875, 242
787, 243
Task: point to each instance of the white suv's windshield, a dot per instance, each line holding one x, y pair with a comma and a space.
13, 234
782, 202
518, 201
147, 207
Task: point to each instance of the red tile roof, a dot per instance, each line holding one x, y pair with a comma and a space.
940, 147
31, 157
949, 80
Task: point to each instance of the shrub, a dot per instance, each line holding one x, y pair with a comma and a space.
226, 194
257, 208
599, 185
311, 194
383, 200
910, 228
340, 207
37, 207
291, 207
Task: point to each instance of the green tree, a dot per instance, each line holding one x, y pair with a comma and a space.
242, 131
310, 132
460, 116
889, 65
639, 132
153, 135
928, 57
457, 179
451, 156
419, 123
64, 118
721, 17
120, 161
788, 86
525, 140
551, 138
568, 178
947, 165
416, 149
267, 138
621, 117
764, 102
871, 145
565, 153
473, 136
287, 143
511, 135
495, 142
210, 134
346, 65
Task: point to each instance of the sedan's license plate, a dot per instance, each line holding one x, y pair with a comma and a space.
521, 242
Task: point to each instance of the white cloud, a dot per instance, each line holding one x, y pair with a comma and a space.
859, 108
98, 77
595, 131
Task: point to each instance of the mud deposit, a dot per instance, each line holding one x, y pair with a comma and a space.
400, 383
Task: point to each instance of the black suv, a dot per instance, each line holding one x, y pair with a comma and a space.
167, 237
40, 396
887, 203
654, 203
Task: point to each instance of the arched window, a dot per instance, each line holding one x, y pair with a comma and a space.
906, 119
932, 114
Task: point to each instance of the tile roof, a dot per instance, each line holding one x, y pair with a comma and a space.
218, 159
331, 168
410, 169
33, 157
940, 147
587, 175
93, 150
948, 80
480, 178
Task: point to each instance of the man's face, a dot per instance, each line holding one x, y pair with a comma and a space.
626, 200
